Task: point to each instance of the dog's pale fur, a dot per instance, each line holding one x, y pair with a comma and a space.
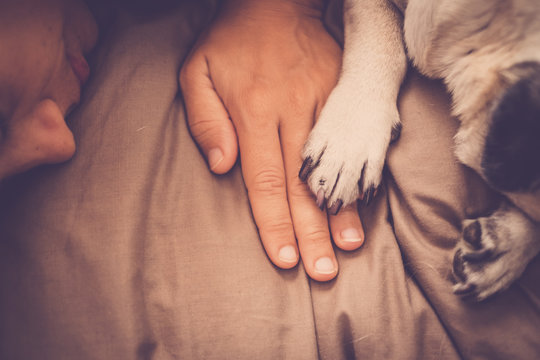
481, 49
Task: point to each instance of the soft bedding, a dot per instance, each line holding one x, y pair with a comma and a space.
134, 250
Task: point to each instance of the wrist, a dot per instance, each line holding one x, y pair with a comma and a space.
276, 7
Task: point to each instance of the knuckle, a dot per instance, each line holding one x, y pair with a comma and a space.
205, 131
201, 127
300, 98
316, 235
185, 74
190, 71
278, 228
298, 189
257, 94
268, 181
256, 102
297, 97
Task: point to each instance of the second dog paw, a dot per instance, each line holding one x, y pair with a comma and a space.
492, 254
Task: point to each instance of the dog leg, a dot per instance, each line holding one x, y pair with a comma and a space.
494, 251
345, 152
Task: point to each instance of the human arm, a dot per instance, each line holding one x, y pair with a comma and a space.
255, 83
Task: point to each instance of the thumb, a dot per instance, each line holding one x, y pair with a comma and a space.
208, 119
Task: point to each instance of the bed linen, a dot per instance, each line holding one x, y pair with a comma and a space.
134, 250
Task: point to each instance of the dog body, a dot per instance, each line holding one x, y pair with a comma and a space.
488, 54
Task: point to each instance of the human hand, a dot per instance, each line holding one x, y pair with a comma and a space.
257, 79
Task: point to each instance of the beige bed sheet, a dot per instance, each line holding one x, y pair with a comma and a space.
133, 250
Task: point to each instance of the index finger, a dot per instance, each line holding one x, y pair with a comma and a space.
264, 176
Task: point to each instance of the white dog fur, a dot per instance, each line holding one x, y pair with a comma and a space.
477, 48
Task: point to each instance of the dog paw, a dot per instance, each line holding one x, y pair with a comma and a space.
492, 254
346, 150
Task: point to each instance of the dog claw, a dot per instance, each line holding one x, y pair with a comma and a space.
462, 288
336, 206
361, 180
306, 168
321, 198
396, 133
368, 195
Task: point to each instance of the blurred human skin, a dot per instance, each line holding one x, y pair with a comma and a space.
43, 44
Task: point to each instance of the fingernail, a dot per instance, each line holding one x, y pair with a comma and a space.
215, 156
287, 254
351, 235
325, 266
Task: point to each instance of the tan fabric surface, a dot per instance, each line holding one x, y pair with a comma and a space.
133, 250
429, 196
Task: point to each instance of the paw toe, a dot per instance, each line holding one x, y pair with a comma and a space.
472, 234
458, 266
465, 290
478, 256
